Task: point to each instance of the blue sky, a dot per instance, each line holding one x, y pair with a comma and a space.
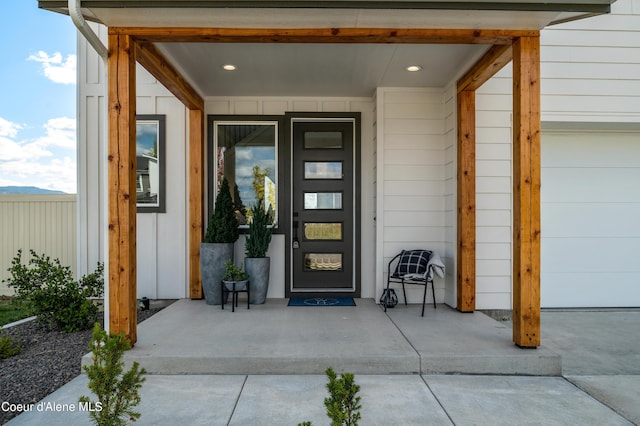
38, 97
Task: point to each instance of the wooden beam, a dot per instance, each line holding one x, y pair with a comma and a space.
122, 186
153, 61
526, 192
490, 63
196, 199
323, 35
466, 200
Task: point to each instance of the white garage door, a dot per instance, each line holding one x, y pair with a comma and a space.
590, 219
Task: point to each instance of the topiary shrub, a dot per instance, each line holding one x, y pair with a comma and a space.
259, 237
223, 225
57, 299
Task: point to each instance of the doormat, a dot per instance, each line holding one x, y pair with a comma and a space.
322, 301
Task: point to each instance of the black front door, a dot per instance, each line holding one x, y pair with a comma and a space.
323, 227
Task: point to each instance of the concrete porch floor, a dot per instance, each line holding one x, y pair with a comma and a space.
191, 337
599, 349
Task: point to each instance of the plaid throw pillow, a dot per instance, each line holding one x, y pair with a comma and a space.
413, 262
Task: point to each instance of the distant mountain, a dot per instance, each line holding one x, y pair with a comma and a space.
27, 190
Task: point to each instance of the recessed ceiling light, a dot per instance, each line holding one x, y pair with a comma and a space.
413, 68
229, 67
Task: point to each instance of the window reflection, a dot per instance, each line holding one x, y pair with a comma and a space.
246, 155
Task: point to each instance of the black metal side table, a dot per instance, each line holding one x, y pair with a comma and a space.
234, 293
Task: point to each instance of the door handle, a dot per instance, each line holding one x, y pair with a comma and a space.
295, 243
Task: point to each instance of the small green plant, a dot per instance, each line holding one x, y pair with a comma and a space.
259, 236
117, 393
223, 225
8, 347
343, 404
233, 272
56, 298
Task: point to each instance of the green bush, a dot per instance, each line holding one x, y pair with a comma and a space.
8, 347
56, 298
343, 404
223, 225
259, 236
117, 393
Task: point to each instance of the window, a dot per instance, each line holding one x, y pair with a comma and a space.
150, 163
246, 154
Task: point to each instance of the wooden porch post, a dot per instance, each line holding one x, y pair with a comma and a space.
196, 199
153, 61
121, 186
485, 68
526, 191
466, 264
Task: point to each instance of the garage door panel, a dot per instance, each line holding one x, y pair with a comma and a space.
590, 211
581, 220
578, 290
607, 185
598, 149
579, 255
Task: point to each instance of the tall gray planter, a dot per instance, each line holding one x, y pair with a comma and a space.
258, 270
212, 258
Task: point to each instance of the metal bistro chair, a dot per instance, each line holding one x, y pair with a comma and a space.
411, 268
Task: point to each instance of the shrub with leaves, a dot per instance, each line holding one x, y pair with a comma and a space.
223, 225
118, 394
57, 299
343, 404
8, 347
259, 236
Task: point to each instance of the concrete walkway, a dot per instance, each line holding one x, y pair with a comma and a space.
599, 387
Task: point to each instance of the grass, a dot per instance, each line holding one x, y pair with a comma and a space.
12, 310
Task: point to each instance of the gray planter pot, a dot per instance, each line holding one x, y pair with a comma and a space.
212, 258
258, 270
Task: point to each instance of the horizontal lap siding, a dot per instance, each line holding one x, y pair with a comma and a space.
590, 73
591, 68
493, 193
414, 174
43, 223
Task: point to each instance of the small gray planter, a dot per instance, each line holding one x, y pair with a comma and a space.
258, 270
212, 258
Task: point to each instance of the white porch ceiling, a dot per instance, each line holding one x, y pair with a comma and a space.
316, 69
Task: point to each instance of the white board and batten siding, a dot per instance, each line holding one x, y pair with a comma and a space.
161, 237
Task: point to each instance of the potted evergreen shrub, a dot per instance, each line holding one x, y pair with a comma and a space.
217, 248
256, 262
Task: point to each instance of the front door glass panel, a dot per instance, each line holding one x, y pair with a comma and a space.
322, 140
323, 170
323, 231
323, 261
323, 200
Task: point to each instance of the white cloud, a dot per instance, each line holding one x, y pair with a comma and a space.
60, 132
55, 68
32, 162
9, 129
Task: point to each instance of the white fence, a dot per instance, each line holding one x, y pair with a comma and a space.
43, 223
